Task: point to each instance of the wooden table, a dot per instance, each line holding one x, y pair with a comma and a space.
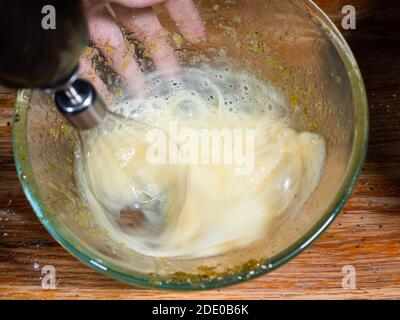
366, 234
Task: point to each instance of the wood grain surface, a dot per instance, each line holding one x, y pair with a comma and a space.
366, 234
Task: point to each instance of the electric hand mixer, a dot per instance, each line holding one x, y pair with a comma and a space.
35, 57
47, 59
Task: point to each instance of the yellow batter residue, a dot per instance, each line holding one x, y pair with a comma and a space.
178, 209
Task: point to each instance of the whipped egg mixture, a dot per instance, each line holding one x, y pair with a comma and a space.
167, 194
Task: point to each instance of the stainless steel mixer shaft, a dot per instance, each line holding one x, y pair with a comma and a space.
80, 105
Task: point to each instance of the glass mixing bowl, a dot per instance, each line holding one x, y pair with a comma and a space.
289, 44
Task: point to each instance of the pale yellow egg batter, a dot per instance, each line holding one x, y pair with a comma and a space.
177, 209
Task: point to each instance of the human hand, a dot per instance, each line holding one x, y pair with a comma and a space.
138, 17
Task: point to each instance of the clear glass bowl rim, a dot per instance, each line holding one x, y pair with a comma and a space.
101, 265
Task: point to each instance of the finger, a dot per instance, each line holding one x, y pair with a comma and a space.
89, 73
187, 19
137, 3
147, 28
108, 38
